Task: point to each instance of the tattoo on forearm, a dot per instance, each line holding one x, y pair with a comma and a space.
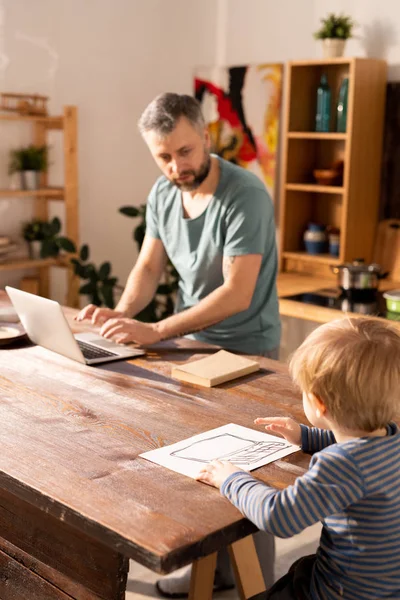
192, 330
227, 263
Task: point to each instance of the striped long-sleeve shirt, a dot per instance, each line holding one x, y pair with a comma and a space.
353, 488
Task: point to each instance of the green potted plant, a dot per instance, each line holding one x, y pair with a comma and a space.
334, 31
34, 233
98, 284
43, 239
29, 161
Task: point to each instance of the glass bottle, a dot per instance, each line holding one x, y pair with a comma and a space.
341, 109
323, 113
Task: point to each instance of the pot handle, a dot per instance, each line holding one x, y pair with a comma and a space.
334, 269
383, 275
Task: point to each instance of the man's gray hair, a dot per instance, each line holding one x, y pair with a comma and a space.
163, 113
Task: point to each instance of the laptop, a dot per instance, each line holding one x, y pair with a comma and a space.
46, 325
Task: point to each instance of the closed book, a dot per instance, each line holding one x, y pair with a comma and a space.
215, 369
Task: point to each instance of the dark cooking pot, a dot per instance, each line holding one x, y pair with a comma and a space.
358, 276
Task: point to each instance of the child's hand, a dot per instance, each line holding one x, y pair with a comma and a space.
287, 428
216, 472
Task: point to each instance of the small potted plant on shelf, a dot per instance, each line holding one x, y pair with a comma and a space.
334, 31
29, 161
43, 239
34, 233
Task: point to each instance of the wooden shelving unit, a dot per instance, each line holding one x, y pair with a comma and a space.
313, 187
67, 124
53, 193
48, 122
314, 135
352, 206
17, 264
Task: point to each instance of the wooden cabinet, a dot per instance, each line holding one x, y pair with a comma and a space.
352, 205
67, 125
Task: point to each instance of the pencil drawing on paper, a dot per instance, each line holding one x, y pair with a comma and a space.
241, 451
246, 448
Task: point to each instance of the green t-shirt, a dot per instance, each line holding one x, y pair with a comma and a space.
238, 220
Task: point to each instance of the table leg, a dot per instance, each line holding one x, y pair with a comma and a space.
202, 579
248, 574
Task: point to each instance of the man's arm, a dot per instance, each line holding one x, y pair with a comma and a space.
144, 278
233, 296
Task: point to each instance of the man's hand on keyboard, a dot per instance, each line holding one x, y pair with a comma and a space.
97, 315
125, 330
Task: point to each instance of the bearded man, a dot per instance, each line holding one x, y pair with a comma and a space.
215, 222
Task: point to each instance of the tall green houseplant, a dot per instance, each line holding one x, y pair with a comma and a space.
98, 283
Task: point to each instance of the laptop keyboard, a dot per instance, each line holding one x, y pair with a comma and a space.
90, 351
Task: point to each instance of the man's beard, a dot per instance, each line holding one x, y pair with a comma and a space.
198, 176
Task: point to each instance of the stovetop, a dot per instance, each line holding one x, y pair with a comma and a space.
365, 302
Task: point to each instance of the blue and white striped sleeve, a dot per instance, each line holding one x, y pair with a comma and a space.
332, 483
314, 439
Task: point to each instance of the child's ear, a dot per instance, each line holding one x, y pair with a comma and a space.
319, 406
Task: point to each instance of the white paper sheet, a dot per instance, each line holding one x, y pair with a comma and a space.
244, 447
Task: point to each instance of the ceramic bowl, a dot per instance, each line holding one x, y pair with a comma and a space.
326, 176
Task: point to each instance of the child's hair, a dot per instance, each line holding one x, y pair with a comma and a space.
353, 366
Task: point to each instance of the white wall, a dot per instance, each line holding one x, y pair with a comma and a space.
110, 58
378, 31
268, 31
281, 30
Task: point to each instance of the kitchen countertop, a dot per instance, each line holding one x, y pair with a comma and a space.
295, 283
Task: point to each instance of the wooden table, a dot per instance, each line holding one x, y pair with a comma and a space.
76, 502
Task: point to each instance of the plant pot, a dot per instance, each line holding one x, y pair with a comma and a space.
34, 249
30, 180
333, 47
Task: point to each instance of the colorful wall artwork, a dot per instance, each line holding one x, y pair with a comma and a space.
242, 108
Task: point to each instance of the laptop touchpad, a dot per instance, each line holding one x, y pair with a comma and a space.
99, 341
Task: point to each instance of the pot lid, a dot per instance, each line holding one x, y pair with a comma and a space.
392, 295
359, 266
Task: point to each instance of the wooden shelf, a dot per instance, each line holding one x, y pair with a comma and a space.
48, 122
39, 282
24, 262
15, 264
342, 60
313, 187
325, 259
352, 207
316, 135
57, 193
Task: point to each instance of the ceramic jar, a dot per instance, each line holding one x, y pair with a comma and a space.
334, 244
315, 239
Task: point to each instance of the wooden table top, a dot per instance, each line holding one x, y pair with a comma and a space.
71, 434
